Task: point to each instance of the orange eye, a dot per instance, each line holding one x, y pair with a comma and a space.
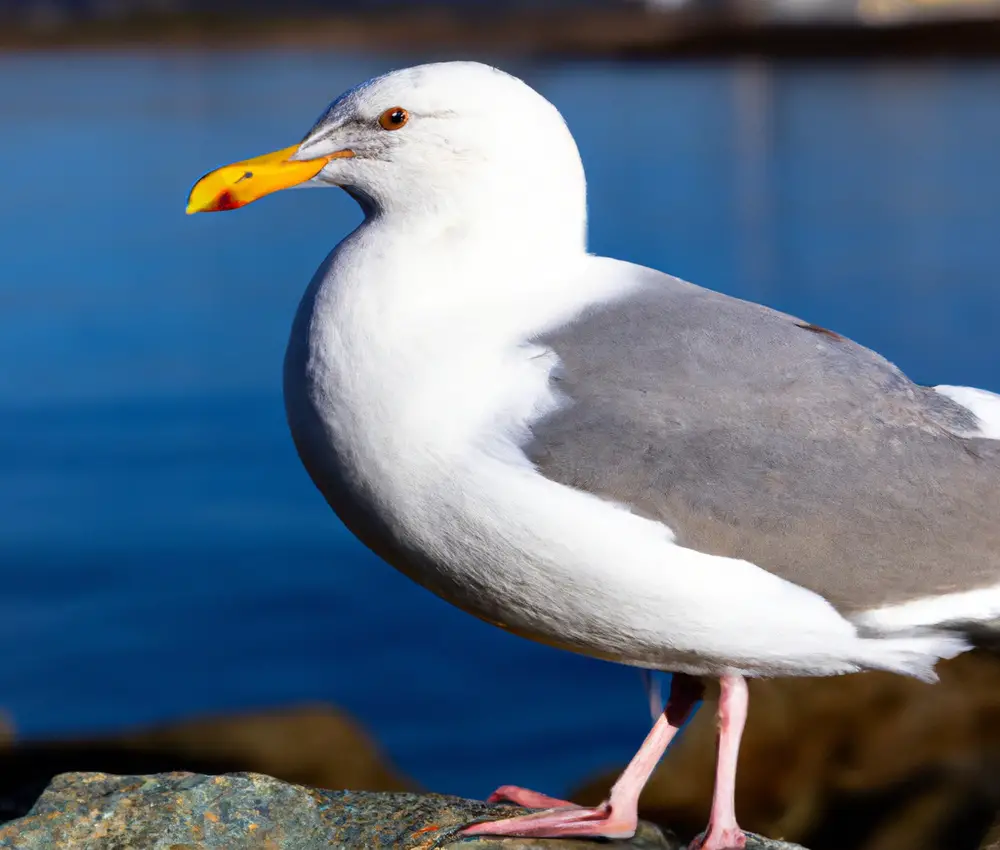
393, 118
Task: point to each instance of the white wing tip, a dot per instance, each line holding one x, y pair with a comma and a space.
912, 656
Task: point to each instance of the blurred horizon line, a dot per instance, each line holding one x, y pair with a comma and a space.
619, 29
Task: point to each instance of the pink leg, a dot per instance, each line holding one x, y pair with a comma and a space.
723, 832
618, 816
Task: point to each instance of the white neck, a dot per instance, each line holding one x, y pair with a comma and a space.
411, 377
424, 326
480, 211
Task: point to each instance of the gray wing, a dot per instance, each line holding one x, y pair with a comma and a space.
755, 435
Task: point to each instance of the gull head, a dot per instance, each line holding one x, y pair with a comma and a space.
447, 138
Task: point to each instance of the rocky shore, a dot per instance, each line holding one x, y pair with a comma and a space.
186, 811
314, 745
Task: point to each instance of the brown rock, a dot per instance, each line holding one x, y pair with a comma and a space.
311, 745
314, 745
183, 811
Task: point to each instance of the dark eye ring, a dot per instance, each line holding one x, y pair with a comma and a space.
393, 118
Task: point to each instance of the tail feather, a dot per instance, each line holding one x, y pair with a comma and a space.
914, 655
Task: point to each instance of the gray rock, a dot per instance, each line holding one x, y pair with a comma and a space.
248, 811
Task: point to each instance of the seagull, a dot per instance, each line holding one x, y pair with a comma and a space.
599, 456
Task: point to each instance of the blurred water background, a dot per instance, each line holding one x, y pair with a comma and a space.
164, 555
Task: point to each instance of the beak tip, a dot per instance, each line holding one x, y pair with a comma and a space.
220, 203
195, 201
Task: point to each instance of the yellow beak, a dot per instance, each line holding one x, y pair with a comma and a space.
241, 183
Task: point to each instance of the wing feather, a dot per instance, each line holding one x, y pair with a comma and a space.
759, 436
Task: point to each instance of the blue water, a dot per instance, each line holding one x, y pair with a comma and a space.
164, 554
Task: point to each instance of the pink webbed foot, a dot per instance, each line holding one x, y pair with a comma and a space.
528, 799
600, 822
728, 838
616, 818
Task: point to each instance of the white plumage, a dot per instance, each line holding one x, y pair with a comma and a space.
414, 379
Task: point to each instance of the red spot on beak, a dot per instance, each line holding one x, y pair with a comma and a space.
226, 201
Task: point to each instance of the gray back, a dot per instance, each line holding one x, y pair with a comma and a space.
754, 435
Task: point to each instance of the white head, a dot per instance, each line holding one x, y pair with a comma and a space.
455, 141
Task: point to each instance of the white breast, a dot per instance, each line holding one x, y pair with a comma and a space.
409, 387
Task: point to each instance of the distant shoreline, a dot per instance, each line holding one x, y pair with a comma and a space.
628, 33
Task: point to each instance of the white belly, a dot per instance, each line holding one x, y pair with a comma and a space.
412, 434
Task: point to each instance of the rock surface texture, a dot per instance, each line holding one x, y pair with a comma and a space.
246, 811
315, 745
